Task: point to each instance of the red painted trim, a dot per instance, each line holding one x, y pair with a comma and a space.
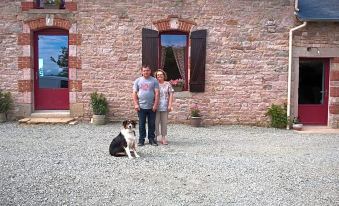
316, 114
53, 98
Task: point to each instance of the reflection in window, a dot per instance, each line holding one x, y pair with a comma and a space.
53, 61
173, 52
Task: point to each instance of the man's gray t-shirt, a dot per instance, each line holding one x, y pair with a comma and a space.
145, 90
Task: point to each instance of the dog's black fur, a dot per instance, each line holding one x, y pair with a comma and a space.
117, 145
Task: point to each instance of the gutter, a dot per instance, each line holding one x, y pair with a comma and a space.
290, 42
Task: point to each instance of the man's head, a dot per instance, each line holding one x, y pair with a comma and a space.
146, 71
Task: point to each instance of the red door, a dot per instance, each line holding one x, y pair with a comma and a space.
51, 70
313, 91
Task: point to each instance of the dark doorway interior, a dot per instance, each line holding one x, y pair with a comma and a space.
311, 82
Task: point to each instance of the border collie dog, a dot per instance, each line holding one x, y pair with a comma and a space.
125, 141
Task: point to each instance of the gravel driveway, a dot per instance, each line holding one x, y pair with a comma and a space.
219, 165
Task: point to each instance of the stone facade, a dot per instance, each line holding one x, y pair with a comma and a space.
319, 40
246, 62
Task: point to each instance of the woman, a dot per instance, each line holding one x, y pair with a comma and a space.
165, 106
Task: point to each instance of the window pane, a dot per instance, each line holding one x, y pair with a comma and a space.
173, 53
173, 40
311, 82
53, 61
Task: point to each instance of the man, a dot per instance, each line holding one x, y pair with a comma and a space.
146, 99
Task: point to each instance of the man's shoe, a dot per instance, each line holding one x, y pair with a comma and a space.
153, 142
140, 144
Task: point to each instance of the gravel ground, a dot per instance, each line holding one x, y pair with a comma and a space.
219, 165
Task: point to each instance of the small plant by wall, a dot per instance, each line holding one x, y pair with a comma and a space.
278, 115
6, 104
99, 104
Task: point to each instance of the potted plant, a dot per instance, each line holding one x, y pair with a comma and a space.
52, 4
100, 108
296, 124
177, 84
195, 116
5, 105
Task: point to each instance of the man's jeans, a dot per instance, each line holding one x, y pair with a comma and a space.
150, 115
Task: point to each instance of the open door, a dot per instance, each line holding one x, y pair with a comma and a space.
313, 91
51, 70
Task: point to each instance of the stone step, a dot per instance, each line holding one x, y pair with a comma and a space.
49, 120
51, 114
318, 129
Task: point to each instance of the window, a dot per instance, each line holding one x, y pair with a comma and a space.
173, 56
50, 4
151, 55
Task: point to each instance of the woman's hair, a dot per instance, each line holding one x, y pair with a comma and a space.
162, 71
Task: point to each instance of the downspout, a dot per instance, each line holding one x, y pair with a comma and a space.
290, 42
296, 3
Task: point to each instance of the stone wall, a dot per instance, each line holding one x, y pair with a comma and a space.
247, 53
10, 26
319, 40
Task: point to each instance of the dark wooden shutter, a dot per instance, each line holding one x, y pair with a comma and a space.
150, 48
198, 61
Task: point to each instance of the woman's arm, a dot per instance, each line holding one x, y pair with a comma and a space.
170, 99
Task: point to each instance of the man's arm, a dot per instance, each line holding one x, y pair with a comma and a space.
135, 101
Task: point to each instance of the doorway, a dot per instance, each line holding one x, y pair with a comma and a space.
51, 70
313, 91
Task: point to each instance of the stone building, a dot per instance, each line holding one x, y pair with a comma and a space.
234, 56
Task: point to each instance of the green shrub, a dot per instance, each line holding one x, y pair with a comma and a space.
5, 101
278, 116
99, 104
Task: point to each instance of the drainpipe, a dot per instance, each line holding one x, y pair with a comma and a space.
290, 67
296, 3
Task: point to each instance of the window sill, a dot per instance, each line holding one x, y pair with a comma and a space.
182, 95
48, 11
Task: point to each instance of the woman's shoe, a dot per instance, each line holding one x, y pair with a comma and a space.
159, 138
164, 141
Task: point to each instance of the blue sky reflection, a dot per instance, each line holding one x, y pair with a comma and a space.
50, 45
173, 40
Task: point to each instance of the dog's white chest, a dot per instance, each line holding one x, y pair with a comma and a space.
129, 137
